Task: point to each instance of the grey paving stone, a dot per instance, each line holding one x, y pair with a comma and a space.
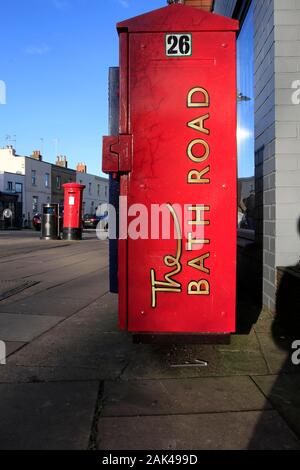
45, 304
156, 362
13, 346
180, 396
12, 287
79, 345
75, 347
54, 302
103, 314
277, 353
89, 287
106, 370
53, 416
264, 430
283, 393
264, 322
24, 328
280, 389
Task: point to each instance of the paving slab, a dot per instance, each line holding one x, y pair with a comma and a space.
263, 430
102, 314
53, 416
9, 288
264, 322
74, 346
13, 346
277, 353
45, 304
283, 393
106, 370
22, 328
62, 301
181, 396
88, 287
158, 362
80, 342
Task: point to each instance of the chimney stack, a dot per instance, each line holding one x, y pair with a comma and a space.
61, 160
36, 154
206, 5
11, 149
81, 168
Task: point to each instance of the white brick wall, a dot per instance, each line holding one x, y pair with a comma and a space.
287, 66
265, 132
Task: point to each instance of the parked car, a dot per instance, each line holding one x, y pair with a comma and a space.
90, 221
37, 221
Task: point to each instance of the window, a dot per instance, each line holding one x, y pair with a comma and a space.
9, 186
19, 188
33, 177
35, 204
47, 180
106, 192
98, 189
58, 182
245, 79
245, 130
90, 188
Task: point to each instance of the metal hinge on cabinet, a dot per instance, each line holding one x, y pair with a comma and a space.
117, 154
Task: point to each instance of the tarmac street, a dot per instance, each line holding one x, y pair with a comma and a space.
72, 380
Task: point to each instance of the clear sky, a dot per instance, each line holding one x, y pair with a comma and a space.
54, 59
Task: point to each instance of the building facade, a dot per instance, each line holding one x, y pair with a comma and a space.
32, 182
60, 175
11, 197
269, 40
95, 195
37, 179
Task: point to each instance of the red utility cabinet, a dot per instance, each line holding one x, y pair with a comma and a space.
73, 211
177, 148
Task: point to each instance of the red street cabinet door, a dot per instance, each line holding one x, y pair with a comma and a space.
178, 102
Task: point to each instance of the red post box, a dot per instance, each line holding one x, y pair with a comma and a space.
177, 147
73, 211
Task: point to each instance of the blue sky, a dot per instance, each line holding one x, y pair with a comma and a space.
54, 59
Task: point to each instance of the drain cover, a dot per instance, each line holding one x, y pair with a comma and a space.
12, 287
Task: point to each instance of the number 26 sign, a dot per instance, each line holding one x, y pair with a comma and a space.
178, 45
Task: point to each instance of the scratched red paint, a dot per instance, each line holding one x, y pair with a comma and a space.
181, 114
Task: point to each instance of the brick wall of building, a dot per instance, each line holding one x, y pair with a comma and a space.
287, 67
203, 4
265, 156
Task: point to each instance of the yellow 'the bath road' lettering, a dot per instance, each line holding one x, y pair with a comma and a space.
199, 263
198, 124
199, 287
195, 241
198, 104
194, 157
196, 177
199, 209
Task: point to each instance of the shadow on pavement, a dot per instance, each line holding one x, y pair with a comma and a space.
282, 390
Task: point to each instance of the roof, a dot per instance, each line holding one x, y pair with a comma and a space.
178, 17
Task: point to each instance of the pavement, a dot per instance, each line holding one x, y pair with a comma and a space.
74, 381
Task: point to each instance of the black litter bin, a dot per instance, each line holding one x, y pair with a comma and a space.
50, 222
